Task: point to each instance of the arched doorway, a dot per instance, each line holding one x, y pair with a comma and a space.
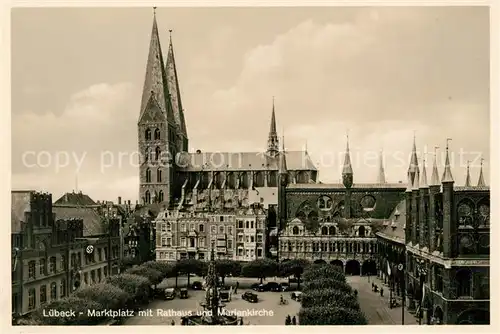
369, 268
319, 262
474, 317
337, 263
437, 316
352, 267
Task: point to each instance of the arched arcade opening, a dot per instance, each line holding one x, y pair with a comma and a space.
352, 267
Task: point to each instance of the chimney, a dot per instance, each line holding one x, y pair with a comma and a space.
119, 200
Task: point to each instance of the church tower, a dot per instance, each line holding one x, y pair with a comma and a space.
175, 97
272, 141
157, 130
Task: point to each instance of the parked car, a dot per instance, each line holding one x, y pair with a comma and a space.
183, 293
225, 296
197, 285
296, 295
285, 286
272, 286
250, 297
169, 293
257, 287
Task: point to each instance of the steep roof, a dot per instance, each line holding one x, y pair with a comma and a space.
334, 186
394, 229
244, 161
75, 199
92, 222
20, 204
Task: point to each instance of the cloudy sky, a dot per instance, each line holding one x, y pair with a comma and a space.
381, 73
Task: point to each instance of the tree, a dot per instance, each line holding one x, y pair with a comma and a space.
260, 268
107, 295
128, 262
320, 315
294, 267
227, 267
189, 266
154, 276
315, 271
321, 283
165, 268
329, 297
136, 286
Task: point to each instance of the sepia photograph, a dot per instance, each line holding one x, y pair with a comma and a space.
229, 166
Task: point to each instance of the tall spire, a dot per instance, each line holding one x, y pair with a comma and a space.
423, 180
435, 173
480, 182
347, 174
413, 169
381, 173
282, 163
447, 177
468, 183
272, 141
173, 88
155, 89
409, 184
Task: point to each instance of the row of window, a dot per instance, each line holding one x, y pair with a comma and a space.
148, 134
249, 224
196, 242
331, 247
32, 294
221, 229
42, 265
250, 252
148, 199
158, 175
96, 275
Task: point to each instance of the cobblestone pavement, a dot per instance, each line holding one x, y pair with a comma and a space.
271, 312
375, 307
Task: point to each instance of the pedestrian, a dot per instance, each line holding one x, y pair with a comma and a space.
373, 286
173, 322
381, 292
237, 286
288, 321
294, 320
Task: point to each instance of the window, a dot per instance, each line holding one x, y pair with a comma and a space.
259, 224
43, 294
247, 238
158, 175
43, 267
295, 230
221, 218
164, 227
259, 237
52, 265
324, 230
157, 134
157, 153
361, 231
191, 242
221, 229
247, 224
259, 252
147, 134
252, 238
148, 175
251, 224
464, 283
331, 230
230, 244
325, 203
163, 242
31, 299
201, 242
64, 264
240, 252
183, 227
183, 242
147, 197
240, 238
99, 254
169, 242
214, 229
240, 224
62, 289
191, 227
230, 230
171, 255
53, 291
201, 227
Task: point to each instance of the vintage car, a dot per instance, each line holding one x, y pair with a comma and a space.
250, 297
197, 285
296, 295
183, 293
169, 293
